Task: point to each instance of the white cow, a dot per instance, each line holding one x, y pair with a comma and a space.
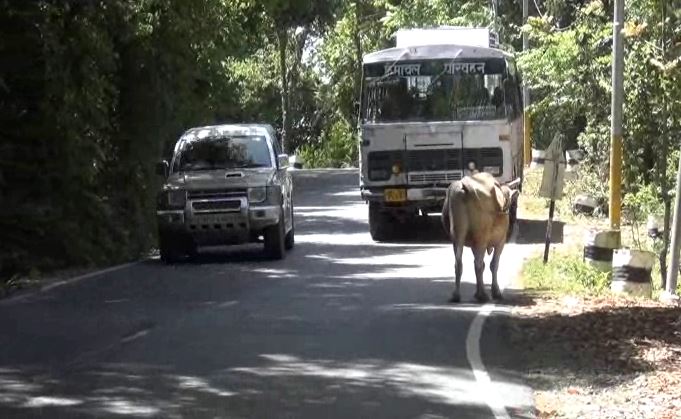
476, 214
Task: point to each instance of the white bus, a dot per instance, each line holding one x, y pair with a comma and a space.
442, 103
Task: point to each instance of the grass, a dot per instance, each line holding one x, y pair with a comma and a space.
567, 259
565, 273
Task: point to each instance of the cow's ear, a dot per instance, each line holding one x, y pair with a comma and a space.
514, 194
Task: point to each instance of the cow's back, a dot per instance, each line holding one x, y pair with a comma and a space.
472, 214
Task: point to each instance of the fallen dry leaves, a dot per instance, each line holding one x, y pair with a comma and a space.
601, 357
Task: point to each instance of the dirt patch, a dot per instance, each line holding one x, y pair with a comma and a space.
598, 357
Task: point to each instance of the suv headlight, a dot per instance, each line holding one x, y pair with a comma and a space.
258, 194
172, 199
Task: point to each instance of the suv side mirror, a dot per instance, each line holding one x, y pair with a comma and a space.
162, 168
282, 161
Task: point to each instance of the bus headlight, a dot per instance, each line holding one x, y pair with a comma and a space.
257, 194
397, 168
492, 170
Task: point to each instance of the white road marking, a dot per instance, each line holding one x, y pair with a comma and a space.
135, 336
486, 387
57, 284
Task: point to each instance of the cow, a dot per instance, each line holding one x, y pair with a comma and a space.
475, 214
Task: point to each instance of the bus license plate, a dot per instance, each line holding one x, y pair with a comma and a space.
395, 195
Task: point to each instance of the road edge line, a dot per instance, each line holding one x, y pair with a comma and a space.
68, 281
481, 375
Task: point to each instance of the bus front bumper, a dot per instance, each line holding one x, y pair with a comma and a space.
412, 194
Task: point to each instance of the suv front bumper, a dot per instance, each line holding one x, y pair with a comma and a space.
218, 228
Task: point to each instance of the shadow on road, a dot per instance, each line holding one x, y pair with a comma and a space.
534, 231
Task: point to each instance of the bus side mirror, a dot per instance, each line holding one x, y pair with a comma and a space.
162, 168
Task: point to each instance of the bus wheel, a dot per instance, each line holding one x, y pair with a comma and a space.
380, 225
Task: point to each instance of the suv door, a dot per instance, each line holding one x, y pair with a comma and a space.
286, 182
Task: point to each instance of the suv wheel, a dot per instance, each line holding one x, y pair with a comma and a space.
275, 246
170, 251
380, 227
290, 240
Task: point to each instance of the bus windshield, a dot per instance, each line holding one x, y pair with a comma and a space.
438, 90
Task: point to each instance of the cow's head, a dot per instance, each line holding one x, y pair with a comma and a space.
506, 196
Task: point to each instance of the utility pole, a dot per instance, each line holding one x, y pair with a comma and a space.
673, 272
527, 124
671, 278
616, 123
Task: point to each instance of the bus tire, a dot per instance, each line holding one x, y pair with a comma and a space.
380, 226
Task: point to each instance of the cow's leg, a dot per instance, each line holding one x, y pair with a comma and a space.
479, 256
458, 269
494, 267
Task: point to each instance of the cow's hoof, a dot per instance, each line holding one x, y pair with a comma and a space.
481, 297
496, 294
455, 298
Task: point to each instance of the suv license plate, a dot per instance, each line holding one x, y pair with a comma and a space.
395, 195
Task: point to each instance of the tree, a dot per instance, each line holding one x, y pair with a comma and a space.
294, 20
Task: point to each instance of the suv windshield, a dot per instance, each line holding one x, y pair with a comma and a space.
438, 90
223, 152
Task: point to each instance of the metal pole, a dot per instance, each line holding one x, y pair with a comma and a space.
527, 125
673, 272
549, 229
616, 127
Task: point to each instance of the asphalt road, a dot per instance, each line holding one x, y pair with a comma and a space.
342, 328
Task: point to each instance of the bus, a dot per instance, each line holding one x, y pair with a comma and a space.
441, 104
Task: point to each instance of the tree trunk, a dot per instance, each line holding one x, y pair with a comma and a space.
357, 40
285, 99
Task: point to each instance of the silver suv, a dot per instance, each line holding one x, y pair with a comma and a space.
225, 184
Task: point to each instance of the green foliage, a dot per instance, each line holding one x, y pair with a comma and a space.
91, 95
568, 69
569, 73
565, 273
638, 206
338, 148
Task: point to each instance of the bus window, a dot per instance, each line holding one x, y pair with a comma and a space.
435, 90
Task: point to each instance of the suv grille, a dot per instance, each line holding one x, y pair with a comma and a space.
217, 206
217, 193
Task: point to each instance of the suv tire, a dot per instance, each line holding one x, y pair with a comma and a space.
275, 246
290, 239
170, 250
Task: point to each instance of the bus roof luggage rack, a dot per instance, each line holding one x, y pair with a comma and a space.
447, 35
